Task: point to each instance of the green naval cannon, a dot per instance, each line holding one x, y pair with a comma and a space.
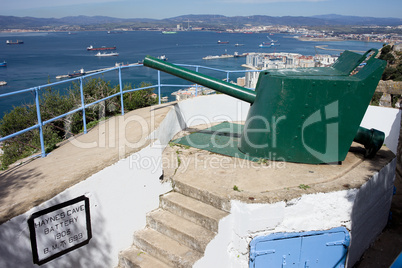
303, 115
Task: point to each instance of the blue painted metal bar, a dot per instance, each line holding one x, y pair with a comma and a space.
159, 87
42, 143
61, 116
19, 133
137, 89
121, 92
100, 100
196, 85
84, 120
17, 92
167, 85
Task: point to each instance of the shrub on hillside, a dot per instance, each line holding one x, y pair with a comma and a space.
53, 104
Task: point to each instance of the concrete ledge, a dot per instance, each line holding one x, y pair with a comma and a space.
123, 189
24, 186
267, 182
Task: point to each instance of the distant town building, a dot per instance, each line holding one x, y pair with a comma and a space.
241, 81
193, 91
263, 61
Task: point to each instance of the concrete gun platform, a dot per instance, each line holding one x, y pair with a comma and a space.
214, 179
227, 178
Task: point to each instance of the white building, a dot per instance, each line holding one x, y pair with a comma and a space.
263, 61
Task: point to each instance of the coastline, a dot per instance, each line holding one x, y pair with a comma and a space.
319, 39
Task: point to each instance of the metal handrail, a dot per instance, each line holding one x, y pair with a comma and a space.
84, 105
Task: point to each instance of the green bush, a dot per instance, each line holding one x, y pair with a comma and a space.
52, 104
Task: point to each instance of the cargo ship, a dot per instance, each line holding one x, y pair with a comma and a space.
223, 42
18, 42
91, 48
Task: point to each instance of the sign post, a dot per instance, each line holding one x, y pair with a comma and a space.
60, 229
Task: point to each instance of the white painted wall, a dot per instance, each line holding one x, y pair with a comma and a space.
119, 196
387, 120
322, 211
122, 194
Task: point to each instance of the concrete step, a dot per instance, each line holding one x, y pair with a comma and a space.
135, 258
193, 210
165, 248
186, 232
202, 195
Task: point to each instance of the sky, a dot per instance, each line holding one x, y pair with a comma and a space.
161, 9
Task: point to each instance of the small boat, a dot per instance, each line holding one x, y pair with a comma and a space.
99, 54
239, 45
163, 57
265, 44
91, 48
3, 83
3, 64
237, 55
223, 42
18, 42
75, 74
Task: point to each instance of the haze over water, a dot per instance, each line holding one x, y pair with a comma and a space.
43, 56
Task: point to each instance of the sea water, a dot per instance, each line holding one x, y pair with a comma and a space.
43, 56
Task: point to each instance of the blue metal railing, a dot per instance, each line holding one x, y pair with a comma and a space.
36, 91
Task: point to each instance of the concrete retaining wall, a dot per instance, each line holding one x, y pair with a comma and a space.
122, 194
119, 196
363, 211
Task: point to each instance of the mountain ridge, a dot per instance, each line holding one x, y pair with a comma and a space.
206, 20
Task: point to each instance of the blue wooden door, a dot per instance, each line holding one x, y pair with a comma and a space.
318, 249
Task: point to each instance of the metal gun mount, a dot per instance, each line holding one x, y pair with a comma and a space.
319, 108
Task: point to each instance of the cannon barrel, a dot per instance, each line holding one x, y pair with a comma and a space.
371, 139
204, 80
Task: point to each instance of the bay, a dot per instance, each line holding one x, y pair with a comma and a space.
43, 56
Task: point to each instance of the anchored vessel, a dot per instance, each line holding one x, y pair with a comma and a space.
11, 42
75, 74
304, 115
91, 48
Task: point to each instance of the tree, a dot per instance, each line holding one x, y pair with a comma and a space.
140, 98
53, 104
28, 143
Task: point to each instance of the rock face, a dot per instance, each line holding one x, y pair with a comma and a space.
390, 87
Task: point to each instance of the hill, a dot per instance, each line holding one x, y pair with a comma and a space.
209, 21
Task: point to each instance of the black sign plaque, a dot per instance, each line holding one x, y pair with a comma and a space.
59, 229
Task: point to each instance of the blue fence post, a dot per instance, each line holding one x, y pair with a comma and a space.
84, 120
121, 92
42, 143
159, 87
196, 85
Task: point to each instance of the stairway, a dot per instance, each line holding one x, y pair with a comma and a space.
176, 234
